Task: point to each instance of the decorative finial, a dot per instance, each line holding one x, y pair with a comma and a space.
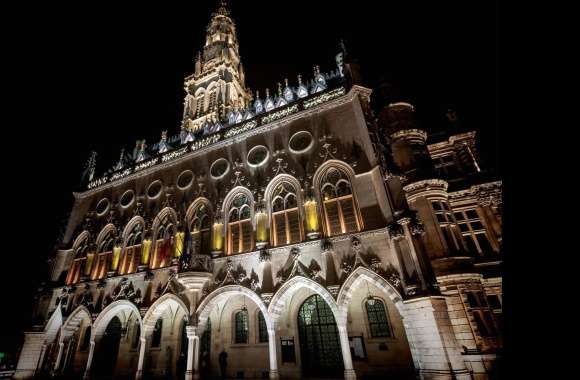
267, 93
286, 82
164, 135
299, 79
279, 89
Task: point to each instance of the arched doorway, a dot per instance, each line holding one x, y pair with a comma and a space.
108, 350
320, 350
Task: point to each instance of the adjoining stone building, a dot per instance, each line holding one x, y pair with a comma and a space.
300, 232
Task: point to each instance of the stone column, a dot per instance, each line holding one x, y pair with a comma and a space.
349, 373
142, 348
59, 355
196, 357
190, 331
404, 222
273, 354
87, 374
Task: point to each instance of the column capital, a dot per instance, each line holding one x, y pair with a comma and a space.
191, 331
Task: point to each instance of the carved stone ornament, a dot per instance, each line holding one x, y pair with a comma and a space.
264, 255
396, 231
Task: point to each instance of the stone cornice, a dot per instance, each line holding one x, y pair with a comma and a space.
340, 99
452, 140
488, 189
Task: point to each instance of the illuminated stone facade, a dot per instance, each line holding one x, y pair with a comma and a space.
300, 233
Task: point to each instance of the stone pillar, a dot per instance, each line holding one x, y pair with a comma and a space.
190, 331
349, 373
196, 357
404, 222
435, 350
87, 374
273, 354
142, 348
59, 356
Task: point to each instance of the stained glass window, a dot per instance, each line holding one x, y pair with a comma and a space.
241, 327
378, 321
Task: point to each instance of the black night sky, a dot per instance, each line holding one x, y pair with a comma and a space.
99, 75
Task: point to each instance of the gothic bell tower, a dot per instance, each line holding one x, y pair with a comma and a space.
218, 83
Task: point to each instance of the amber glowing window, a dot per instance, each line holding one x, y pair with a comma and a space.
104, 257
240, 229
163, 246
286, 225
340, 211
78, 267
132, 254
201, 230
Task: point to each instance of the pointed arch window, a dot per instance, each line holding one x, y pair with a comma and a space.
286, 226
132, 255
198, 106
104, 257
79, 264
377, 317
200, 228
240, 229
241, 325
340, 211
164, 245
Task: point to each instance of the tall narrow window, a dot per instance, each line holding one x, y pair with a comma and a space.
241, 326
212, 101
132, 254
262, 329
200, 230
199, 107
163, 245
136, 335
156, 338
286, 225
86, 339
446, 223
377, 316
240, 229
339, 206
104, 256
77, 269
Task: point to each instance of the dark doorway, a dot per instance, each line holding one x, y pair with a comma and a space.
319, 342
108, 350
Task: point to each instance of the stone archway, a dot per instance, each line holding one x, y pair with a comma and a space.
126, 313
426, 323
281, 301
222, 304
163, 325
74, 332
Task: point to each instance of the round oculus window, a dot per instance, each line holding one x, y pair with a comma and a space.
103, 206
185, 179
258, 156
154, 189
300, 142
127, 198
219, 168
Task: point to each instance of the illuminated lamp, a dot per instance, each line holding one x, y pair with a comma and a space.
311, 211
